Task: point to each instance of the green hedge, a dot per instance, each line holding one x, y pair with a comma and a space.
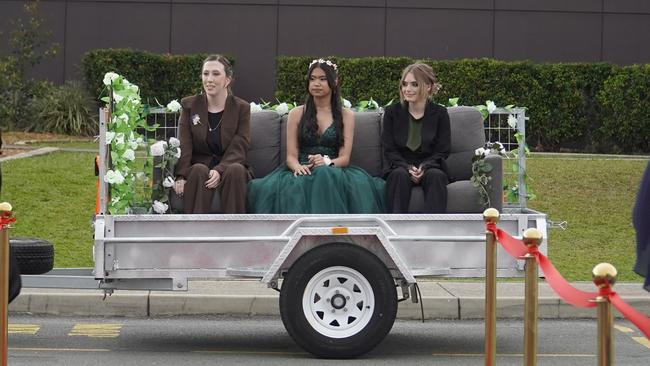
585, 107
163, 77
625, 101
564, 101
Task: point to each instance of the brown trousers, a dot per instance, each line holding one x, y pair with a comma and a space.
232, 190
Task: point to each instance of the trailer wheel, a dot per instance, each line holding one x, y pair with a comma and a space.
34, 256
338, 301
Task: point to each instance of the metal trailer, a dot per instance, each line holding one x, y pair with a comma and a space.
338, 275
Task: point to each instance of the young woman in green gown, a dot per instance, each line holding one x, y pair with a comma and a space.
317, 177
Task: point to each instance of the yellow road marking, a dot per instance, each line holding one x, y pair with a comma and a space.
24, 329
511, 355
99, 330
624, 329
26, 349
643, 341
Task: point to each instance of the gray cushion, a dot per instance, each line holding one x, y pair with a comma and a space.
366, 147
462, 197
283, 139
467, 135
264, 151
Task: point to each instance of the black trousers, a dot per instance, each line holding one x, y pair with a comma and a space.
398, 190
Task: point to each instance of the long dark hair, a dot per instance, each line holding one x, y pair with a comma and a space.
308, 125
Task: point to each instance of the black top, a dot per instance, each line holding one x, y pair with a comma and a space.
214, 137
435, 133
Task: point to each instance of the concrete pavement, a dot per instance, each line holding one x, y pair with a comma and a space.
441, 300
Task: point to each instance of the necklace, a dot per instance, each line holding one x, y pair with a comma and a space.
217, 126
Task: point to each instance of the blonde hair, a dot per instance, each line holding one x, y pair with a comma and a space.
424, 75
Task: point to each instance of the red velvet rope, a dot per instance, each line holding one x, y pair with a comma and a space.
636, 317
568, 293
6, 219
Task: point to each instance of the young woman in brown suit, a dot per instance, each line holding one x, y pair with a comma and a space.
214, 135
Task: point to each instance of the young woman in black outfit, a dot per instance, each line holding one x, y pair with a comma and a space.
416, 140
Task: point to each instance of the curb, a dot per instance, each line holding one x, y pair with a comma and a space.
158, 303
31, 153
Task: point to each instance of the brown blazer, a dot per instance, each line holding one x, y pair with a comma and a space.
235, 133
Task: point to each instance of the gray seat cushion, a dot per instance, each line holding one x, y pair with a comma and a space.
462, 197
264, 151
366, 147
467, 135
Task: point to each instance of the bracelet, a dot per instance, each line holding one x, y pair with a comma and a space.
327, 160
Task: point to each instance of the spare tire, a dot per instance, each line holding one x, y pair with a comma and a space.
34, 256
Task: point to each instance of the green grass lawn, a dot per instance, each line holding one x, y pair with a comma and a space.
53, 197
595, 197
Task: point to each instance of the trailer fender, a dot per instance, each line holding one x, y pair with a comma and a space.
305, 239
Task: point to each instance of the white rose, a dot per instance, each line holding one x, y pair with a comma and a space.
255, 107
346, 103
129, 155
119, 138
174, 106
134, 88
160, 207
133, 144
282, 109
178, 153
480, 151
174, 142
168, 182
118, 98
512, 121
114, 177
158, 149
109, 137
109, 77
135, 100
491, 107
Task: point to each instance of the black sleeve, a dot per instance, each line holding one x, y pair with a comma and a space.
392, 154
442, 144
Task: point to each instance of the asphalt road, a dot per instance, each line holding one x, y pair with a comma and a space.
47, 340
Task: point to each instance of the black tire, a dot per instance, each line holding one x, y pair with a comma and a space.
34, 256
339, 278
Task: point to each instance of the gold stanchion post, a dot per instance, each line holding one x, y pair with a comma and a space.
4, 286
490, 215
532, 238
604, 275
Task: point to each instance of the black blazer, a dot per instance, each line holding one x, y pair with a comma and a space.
235, 133
436, 138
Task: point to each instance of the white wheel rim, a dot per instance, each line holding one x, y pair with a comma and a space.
338, 302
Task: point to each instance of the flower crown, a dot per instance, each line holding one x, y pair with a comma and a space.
326, 62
